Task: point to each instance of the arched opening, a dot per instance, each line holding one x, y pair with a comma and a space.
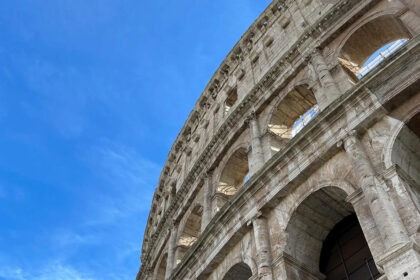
191, 232
161, 271
406, 153
345, 253
234, 173
372, 43
240, 271
291, 115
321, 217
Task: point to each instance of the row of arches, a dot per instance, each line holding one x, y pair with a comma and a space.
324, 235
310, 241
328, 243
381, 37
323, 232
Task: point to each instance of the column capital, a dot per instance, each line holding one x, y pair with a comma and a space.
257, 216
208, 174
173, 224
349, 139
252, 116
315, 53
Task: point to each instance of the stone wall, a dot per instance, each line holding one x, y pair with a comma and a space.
239, 196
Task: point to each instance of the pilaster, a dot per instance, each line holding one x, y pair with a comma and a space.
207, 200
262, 242
171, 252
329, 91
387, 220
257, 158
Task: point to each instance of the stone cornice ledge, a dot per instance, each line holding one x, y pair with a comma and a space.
316, 126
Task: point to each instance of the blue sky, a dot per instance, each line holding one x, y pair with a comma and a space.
92, 95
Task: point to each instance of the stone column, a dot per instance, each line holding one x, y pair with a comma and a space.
398, 246
207, 200
329, 90
266, 144
257, 151
171, 252
262, 242
386, 217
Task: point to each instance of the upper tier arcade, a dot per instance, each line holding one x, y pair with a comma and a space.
305, 78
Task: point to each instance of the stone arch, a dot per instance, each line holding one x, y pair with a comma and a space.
342, 185
239, 271
160, 270
309, 224
298, 100
233, 171
368, 36
408, 112
251, 263
403, 148
190, 231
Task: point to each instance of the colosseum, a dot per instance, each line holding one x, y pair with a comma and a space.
301, 158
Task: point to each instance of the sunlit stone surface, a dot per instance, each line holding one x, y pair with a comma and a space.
301, 158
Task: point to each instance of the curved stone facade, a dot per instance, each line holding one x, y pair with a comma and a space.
246, 194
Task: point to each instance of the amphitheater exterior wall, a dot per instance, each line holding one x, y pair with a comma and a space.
241, 198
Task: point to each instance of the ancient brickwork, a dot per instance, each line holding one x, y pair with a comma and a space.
245, 194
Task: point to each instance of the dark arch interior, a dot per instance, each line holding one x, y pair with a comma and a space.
240, 271
345, 253
414, 124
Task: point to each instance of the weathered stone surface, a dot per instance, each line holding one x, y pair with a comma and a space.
243, 196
